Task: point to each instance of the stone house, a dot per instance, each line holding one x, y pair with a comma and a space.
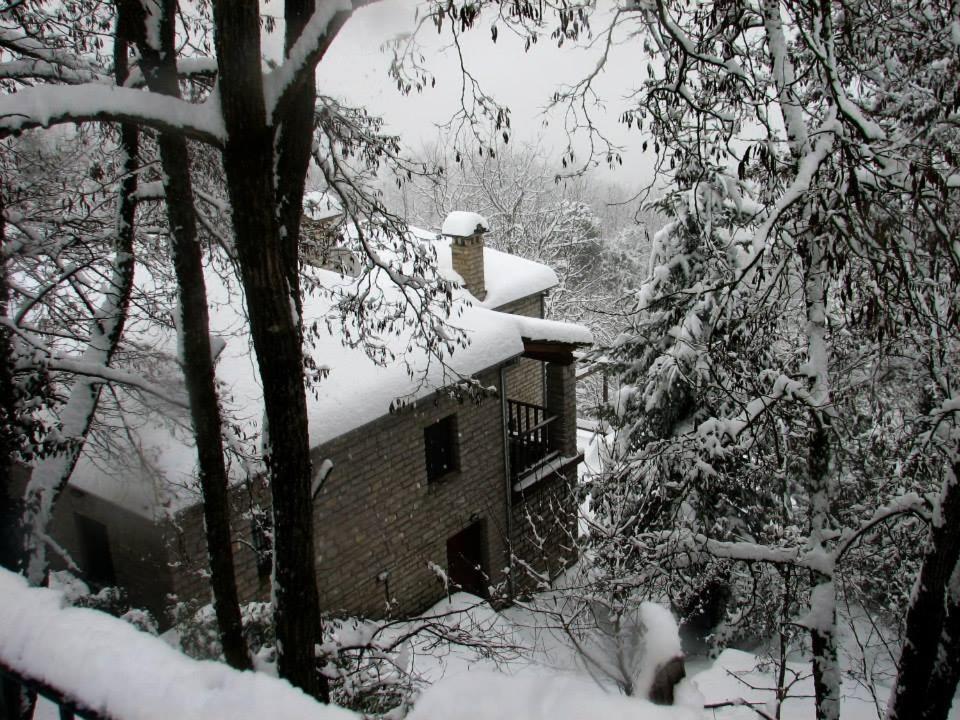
413, 500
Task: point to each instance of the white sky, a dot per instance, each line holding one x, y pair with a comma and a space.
355, 70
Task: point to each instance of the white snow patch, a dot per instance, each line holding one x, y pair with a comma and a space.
54, 104
109, 666
541, 472
552, 330
481, 695
460, 223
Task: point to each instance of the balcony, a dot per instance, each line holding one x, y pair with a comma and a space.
529, 431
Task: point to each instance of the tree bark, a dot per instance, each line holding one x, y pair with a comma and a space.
15, 702
946, 670
823, 637
52, 474
160, 72
275, 327
924, 687
294, 128
11, 547
821, 481
294, 121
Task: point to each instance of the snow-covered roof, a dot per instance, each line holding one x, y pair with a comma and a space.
321, 206
158, 474
506, 277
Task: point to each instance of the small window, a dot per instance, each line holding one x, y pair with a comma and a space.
440, 444
95, 549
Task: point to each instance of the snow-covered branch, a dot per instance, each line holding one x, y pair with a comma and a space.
116, 375
300, 61
54, 105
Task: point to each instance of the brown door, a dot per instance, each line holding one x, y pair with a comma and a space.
465, 567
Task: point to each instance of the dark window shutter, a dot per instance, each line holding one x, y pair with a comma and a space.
439, 442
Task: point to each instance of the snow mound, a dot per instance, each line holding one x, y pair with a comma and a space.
112, 668
491, 696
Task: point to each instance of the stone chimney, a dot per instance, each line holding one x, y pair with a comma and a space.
465, 230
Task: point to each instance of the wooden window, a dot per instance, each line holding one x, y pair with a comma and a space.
95, 550
440, 445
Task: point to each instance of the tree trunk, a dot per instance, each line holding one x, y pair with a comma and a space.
51, 475
275, 328
924, 687
946, 671
823, 610
15, 702
160, 72
11, 547
294, 122
821, 483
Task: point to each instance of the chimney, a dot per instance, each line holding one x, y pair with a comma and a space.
465, 230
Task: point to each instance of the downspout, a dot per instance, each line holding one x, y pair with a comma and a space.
508, 494
543, 365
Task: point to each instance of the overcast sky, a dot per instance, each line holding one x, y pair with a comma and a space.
355, 69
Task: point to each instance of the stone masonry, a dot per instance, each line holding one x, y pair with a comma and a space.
467, 260
380, 527
544, 513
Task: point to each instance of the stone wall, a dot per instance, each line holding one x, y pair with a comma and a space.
544, 514
187, 545
137, 547
529, 306
562, 402
467, 260
543, 529
380, 526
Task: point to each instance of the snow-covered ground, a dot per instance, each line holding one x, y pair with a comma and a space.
522, 669
507, 664
547, 662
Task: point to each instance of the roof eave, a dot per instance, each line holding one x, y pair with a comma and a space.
554, 351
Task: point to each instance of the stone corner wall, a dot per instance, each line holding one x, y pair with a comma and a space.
544, 530
467, 261
137, 547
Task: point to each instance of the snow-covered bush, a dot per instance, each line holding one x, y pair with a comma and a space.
366, 666
196, 629
110, 600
